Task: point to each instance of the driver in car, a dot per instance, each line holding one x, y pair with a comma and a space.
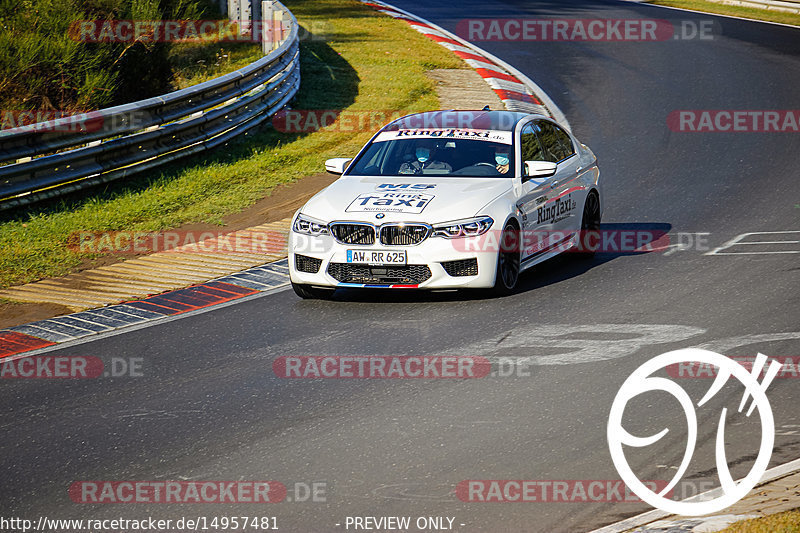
425, 161
502, 159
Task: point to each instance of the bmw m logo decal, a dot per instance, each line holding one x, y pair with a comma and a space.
380, 215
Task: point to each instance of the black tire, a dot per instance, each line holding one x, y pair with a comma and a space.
508, 260
590, 227
307, 292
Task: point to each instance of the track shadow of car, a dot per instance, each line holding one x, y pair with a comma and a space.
613, 241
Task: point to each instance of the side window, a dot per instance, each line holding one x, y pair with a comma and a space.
566, 142
556, 142
530, 147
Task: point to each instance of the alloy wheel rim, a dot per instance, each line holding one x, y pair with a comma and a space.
591, 214
509, 268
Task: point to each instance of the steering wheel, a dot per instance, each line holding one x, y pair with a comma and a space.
483, 163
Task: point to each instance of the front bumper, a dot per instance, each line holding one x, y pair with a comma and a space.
424, 270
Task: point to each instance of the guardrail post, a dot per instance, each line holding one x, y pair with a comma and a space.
276, 22
233, 11
284, 22
244, 13
268, 11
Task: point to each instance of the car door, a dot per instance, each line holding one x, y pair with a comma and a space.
563, 209
535, 192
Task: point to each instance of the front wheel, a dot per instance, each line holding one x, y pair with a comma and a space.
590, 227
307, 292
507, 274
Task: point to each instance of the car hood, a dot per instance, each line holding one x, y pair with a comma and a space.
404, 199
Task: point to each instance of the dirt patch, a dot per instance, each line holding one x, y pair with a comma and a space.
463, 89
281, 203
17, 313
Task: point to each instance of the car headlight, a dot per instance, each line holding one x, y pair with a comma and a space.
469, 227
309, 226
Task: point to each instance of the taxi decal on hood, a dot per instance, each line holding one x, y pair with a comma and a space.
390, 202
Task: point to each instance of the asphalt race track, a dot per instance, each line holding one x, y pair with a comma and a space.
209, 407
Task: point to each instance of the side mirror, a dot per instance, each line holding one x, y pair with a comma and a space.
337, 165
539, 169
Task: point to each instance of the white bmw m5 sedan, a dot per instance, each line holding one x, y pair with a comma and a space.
448, 200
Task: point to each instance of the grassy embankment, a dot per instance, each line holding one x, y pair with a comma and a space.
788, 522
48, 64
367, 62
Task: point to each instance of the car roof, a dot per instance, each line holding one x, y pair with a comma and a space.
466, 119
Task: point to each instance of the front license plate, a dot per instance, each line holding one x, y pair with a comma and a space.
370, 257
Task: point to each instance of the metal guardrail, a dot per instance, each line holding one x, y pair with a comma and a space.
45, 160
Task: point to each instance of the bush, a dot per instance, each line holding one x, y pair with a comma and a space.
42, 68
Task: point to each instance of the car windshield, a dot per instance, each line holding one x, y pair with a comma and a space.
392, 154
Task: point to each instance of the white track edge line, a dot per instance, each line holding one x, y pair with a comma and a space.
641, 3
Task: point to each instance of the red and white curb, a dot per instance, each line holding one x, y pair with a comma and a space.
30, 339
517, 91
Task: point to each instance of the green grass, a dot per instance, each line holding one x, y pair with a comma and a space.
45, 66
194, 63
736, 11
788, 522
368, 62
